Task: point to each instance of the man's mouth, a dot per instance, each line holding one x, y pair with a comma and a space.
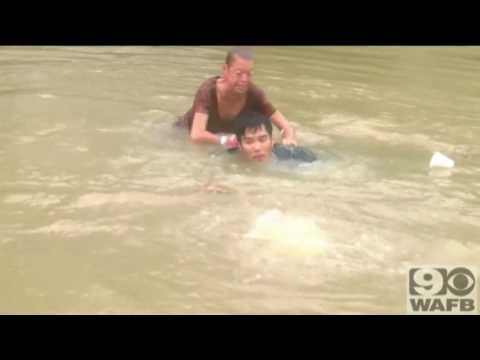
259, 157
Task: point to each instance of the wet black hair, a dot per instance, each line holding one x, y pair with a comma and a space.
251, 120
240, 51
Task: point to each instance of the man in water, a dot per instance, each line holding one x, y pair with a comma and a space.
254, 133
222, 98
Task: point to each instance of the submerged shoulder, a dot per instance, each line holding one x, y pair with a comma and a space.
298, 153
209, 83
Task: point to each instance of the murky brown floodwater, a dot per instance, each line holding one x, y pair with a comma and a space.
102, 204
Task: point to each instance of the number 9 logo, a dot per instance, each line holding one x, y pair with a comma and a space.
427, 281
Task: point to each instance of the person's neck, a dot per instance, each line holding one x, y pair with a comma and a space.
227, 94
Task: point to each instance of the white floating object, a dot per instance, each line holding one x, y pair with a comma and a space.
440, 160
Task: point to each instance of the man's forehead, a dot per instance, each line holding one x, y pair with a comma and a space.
250, 132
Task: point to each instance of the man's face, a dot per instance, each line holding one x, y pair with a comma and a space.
256, 144
238, 74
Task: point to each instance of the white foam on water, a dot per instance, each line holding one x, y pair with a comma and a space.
56, 128
125, 198
25, 140
70, 228
125, 129
127, 160
288, 234
42, 200
47, 96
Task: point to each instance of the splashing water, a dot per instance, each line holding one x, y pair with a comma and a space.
289, 234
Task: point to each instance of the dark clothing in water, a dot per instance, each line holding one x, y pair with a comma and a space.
206, 102
295, 153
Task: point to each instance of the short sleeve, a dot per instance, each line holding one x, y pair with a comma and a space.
201, 103
261, 103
